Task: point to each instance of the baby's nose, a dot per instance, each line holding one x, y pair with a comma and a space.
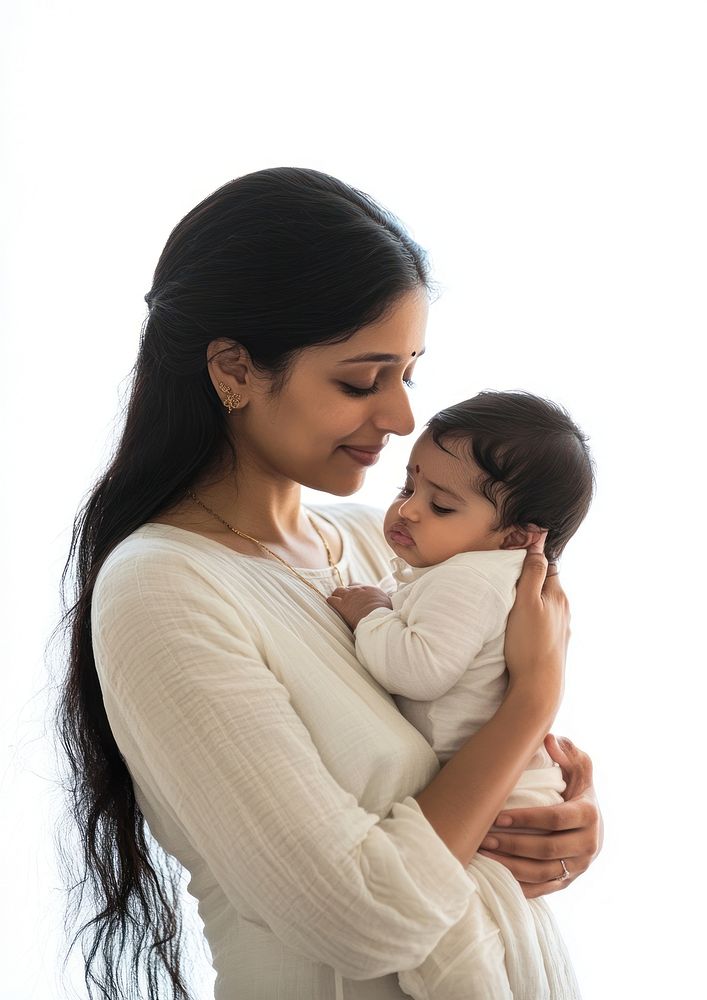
407, 510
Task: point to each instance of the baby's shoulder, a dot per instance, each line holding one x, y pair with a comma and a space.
496, 570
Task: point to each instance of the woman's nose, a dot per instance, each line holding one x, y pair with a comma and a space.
395, 413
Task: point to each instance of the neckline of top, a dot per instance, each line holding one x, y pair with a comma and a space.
322, 572
509, 556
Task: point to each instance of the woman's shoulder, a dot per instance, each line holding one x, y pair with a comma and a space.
155, 554
153, 540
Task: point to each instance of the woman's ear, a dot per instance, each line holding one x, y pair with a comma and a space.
229, 364
522, 538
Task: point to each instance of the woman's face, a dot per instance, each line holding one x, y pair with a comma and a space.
340, 402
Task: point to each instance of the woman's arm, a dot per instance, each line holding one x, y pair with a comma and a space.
462, 801
531, 842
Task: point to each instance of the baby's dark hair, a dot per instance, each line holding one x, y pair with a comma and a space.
536, 465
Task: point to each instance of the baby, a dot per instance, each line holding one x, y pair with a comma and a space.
486, 478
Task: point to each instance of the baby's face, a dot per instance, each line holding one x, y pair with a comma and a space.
438, 512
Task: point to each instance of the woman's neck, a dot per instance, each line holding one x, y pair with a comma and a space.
268, 510
258, 504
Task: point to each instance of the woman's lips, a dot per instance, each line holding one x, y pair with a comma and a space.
399, 536
364, 456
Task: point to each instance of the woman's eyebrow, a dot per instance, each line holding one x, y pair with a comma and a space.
383, 359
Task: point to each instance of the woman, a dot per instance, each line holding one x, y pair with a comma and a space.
214, 694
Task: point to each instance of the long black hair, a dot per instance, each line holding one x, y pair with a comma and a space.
276, 261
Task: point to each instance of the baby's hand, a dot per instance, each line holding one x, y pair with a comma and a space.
355, 602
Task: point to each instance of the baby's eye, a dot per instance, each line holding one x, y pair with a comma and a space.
441, 510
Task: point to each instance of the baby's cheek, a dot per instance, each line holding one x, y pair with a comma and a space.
391, 515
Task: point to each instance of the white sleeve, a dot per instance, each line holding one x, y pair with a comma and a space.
422, 649
201, 715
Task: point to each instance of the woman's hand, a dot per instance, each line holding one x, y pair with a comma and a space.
533, 842
538, 630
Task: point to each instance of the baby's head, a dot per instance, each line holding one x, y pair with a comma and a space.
489, 473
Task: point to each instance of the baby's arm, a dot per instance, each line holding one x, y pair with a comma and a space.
421, 650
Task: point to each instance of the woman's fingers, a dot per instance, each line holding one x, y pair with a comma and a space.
575, 814
575, 763
534, 571
533, 842
536, 862
574, 834
537, 572
552, 591
539, 877
537, 631
531, 847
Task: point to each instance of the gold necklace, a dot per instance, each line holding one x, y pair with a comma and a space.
264, 548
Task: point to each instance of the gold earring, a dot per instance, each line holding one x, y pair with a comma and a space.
232, 400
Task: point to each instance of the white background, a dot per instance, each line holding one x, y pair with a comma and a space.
552, 157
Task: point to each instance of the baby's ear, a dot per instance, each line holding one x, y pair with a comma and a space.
522, 538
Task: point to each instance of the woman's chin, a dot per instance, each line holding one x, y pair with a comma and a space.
338, 486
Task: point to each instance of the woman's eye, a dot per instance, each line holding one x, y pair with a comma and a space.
441, 510
405, 491
359, 390
409, 383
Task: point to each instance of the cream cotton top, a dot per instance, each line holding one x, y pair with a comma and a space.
270, 763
